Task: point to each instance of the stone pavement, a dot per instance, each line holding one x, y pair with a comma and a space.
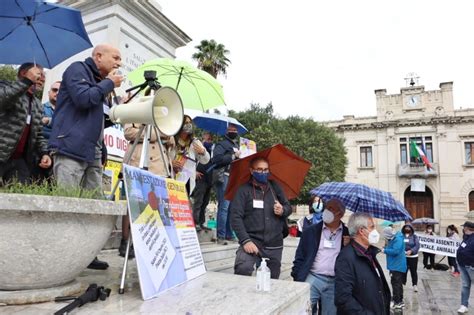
438, 292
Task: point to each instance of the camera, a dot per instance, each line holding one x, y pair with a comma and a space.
150, 75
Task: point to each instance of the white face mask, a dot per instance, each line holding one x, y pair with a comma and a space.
373, 237
318, 206
429, 230
328, 217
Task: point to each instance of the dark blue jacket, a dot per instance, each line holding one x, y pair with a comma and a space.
48, 111
79, 116
307, 250
465, 253
395, 251
360, 288
223, 152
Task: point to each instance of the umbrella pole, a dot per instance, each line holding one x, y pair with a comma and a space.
179, 78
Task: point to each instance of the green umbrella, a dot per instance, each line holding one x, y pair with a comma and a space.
198, 89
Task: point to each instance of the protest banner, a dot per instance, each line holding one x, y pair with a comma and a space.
247, 147
438, 245
164, 237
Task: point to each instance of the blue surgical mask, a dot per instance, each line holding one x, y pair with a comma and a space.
262, 178
318, 206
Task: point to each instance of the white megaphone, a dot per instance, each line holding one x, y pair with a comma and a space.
164, 110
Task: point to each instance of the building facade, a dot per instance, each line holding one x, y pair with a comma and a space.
380, 156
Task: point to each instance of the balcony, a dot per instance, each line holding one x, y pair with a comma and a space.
417, 170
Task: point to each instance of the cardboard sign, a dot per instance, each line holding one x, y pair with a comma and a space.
115, 141
166, 245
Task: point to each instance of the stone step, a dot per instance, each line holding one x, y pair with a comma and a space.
223, 265
213, 252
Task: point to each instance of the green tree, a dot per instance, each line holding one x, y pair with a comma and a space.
307, 138
211, 57
7, 73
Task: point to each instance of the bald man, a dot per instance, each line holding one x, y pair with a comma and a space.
78, 127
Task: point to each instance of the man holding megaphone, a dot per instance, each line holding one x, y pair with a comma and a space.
78, 126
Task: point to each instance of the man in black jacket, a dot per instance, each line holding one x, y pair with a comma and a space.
257, 215
21, 137
224, 153
361, 287
316, 256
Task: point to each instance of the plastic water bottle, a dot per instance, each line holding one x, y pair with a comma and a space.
263, 277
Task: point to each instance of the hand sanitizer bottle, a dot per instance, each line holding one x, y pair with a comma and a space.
263, 276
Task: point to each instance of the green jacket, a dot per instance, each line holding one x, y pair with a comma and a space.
14, 103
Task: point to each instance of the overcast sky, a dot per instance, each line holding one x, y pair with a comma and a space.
324, 59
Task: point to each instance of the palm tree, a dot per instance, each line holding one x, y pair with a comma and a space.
211, 57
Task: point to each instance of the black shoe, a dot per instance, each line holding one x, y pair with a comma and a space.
198, 228
205, 228
221, 241
98, 265
123, 250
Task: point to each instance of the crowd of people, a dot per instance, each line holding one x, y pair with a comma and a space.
62, 141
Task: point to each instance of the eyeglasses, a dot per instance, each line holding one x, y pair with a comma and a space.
54, 90
261, 170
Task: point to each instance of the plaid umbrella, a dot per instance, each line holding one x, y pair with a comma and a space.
425, 221
360, 198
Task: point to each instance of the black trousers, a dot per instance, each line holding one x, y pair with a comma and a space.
412, 263
201, 195
452, 263
397, 285
431, 257
15, 169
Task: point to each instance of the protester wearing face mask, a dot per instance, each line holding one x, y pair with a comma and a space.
429, 256
452, 233
257, 214
316, 207
412, 245
361, 287
396, 263
188, 151
224, 153
316, 256
465, 258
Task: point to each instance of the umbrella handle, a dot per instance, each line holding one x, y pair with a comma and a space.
179, 78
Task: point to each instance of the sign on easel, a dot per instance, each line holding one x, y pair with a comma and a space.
164, 237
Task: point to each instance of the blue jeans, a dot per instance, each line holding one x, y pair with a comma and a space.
467, 275
223, 222
322, 289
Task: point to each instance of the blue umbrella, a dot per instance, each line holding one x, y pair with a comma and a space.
40, 32
217, 123
360, 198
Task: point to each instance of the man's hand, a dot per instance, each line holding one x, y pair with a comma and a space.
278, 208
45, 161
237, 154
199, 175
250, 248
45, 120
116, 78
408, 252
346, 239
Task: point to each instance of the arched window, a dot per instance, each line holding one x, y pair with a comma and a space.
471, 200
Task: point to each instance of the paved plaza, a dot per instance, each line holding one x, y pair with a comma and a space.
439, 293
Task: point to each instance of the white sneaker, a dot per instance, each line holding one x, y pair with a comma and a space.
462, 309
415, 288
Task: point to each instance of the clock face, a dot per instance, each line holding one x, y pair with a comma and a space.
413, 100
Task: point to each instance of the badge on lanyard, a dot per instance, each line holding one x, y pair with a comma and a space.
329, 244
258, 204
28, 119
406, 240
463, 244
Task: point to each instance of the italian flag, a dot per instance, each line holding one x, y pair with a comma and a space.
417, 152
